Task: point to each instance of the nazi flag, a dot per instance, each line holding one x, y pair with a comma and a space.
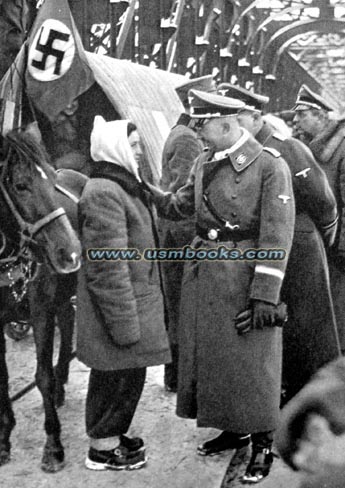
51, 52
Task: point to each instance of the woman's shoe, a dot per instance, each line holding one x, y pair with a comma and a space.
259, 466
128, 455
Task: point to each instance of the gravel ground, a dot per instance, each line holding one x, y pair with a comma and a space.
171, 441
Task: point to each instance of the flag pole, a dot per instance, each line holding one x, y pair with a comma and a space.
113, 28
86, 27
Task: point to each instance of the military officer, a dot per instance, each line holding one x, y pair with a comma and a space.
180, 150
310, 337
327, 143
242, 197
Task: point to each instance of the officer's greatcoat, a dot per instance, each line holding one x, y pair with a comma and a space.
181, 149
310, 337
228, 381
329, 150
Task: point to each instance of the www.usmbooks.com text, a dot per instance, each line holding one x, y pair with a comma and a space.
186, 253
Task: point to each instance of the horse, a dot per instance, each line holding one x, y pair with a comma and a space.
33, 227
50, 299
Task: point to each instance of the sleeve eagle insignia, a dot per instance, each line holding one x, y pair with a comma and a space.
303, 172
285, 198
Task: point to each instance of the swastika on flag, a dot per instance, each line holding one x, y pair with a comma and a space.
51, 52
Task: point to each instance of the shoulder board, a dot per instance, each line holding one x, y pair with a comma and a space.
279, 136
272, 151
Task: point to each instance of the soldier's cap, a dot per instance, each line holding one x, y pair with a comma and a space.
203, 83
307, 99
210, 105
253, 101
324, 395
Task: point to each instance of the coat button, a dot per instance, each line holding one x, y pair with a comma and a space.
212, 234
237, 180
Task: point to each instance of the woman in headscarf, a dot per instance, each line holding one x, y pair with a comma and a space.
120, 314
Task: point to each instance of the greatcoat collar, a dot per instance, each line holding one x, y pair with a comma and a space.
264, 133
241, 155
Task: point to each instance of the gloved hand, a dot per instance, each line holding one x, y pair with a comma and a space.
243, 321
260, 315
149, 187
263, 314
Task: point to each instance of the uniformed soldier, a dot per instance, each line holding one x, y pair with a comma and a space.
242, 196
180, 150
327, 143
310, 337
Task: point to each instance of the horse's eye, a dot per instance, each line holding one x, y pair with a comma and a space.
21, 187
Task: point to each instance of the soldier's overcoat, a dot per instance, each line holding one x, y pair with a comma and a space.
310, 337
329, 150
181, 149
228, 381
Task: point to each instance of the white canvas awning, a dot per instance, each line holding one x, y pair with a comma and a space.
144, 95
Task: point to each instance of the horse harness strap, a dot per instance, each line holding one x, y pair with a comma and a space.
37, 226
31, 229
66, 192
16, 271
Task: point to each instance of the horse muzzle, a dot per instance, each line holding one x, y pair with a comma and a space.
66, 262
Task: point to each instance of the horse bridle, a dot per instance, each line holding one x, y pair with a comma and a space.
22, 259
27, 230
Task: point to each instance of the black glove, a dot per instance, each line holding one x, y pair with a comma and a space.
260, 315
263, 314
243, 321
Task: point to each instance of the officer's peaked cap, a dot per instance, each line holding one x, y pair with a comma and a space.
252, 100
307, 99
203, 83
209, 105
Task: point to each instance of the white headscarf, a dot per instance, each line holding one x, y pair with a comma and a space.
109, 142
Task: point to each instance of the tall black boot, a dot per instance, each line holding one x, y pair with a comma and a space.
261, 459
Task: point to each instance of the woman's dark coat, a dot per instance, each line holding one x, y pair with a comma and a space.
120, 313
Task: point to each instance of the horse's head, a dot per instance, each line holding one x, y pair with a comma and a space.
29, 204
